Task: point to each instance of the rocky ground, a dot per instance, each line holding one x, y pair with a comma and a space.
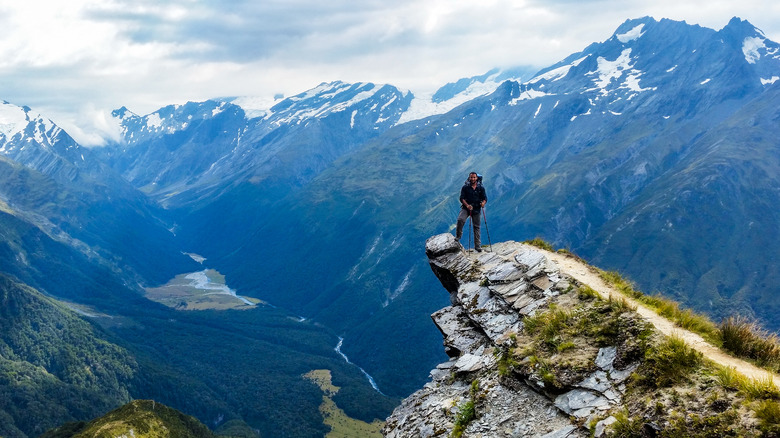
540, 346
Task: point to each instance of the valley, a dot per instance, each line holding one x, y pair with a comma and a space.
652, 153
200, 290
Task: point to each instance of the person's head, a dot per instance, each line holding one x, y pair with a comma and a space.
473, 177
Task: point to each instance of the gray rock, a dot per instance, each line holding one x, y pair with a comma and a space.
562, 433
504, 272
469, 363
459, 335
606, 357
581, 403
529, 258
441, 244
601, 426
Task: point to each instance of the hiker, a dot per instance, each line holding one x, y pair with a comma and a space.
472, 199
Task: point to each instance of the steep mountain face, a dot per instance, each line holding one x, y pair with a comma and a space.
58, 187
186, 154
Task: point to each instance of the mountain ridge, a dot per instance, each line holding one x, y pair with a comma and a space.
651, 153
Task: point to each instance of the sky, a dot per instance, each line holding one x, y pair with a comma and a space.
75, 61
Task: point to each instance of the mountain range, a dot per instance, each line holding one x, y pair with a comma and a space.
653, 153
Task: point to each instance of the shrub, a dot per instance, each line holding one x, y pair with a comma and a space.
466, 412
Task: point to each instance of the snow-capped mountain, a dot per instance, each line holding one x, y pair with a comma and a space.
36, 142
654, 153
295, 138
655, 57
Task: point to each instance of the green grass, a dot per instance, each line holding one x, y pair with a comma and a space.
540, 243
667, 308
768, 414
549, 325
669, 362
747, 339
467, 412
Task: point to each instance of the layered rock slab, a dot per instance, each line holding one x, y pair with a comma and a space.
491, 293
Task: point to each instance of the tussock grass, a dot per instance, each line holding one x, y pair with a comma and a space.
620, 304
762, 389
746, 339
585, 292
670, 362
549, 325
729, 378
669, 309
768, 414
540, 243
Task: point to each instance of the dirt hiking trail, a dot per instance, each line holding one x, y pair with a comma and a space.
589, 276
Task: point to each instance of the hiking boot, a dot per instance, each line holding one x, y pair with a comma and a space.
478, 249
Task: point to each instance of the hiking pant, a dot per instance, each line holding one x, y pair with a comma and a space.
475, 218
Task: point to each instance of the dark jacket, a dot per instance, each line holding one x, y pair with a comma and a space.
473, 197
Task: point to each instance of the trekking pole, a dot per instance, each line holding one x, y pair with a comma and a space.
468, 224
484, 216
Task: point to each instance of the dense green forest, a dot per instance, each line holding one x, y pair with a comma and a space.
242, 368
54, 366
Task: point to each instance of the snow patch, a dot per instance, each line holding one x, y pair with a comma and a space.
705, 81
153, 120
557, 73
422, 106
770, 81
528, 95
256, 106
13, 119
632, 34
608, 70
750, 47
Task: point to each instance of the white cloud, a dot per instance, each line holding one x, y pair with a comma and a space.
59, 57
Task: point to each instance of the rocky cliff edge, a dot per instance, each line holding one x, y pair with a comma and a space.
534, 353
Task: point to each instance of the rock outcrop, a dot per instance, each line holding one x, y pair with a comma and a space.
535, 353
497, 383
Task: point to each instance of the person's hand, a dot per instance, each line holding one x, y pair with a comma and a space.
470, 207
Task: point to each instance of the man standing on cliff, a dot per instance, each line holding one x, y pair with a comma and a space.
472, 199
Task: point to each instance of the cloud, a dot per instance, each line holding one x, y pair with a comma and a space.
66, 59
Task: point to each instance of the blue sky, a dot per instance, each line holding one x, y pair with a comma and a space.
74, 61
